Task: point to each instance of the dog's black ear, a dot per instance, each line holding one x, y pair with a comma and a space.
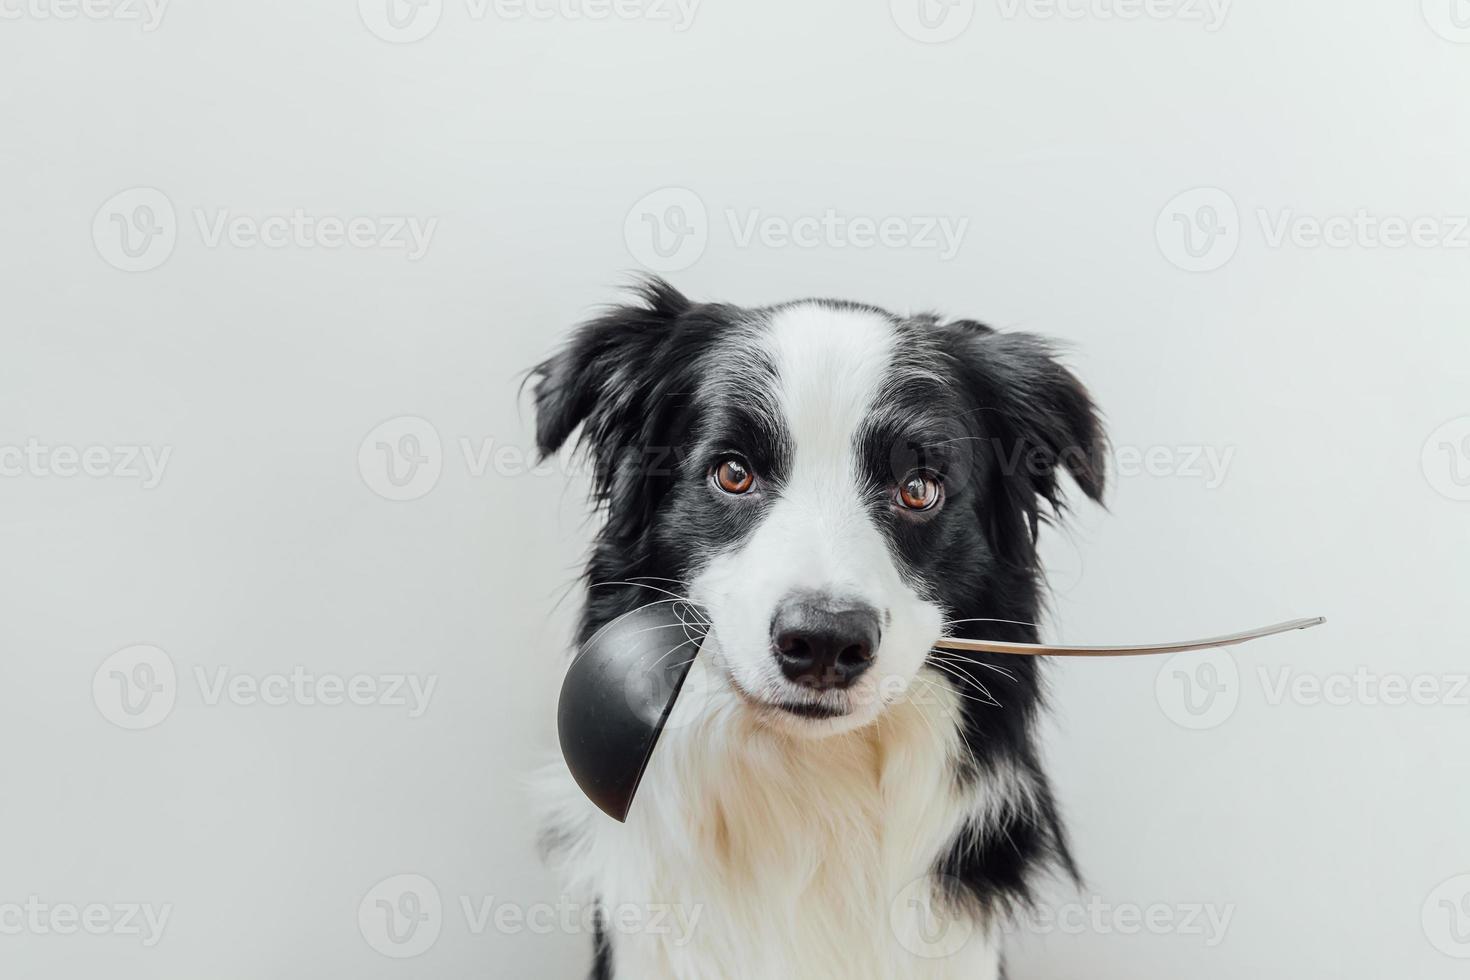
610, 380
595, 376
1040, 420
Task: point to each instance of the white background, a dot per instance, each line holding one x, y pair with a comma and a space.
1333, 377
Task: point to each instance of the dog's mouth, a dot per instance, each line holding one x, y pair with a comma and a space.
809, 710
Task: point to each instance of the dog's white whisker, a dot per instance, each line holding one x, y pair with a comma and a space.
988, 700
944, 660
962, 678
641, 585
596, 634
985, 619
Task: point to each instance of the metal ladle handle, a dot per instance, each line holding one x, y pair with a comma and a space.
1049, 650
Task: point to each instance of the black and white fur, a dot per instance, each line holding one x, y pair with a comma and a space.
820, 833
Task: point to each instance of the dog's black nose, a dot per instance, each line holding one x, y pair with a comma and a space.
822, 643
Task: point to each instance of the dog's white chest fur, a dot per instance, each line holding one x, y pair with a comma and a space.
750, 854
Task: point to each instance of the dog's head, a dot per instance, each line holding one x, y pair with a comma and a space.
837, 485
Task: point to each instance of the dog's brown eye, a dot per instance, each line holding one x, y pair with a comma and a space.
733, 476
919, 491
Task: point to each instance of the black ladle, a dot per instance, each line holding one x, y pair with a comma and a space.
622, 685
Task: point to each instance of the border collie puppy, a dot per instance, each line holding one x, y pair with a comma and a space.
838, 486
